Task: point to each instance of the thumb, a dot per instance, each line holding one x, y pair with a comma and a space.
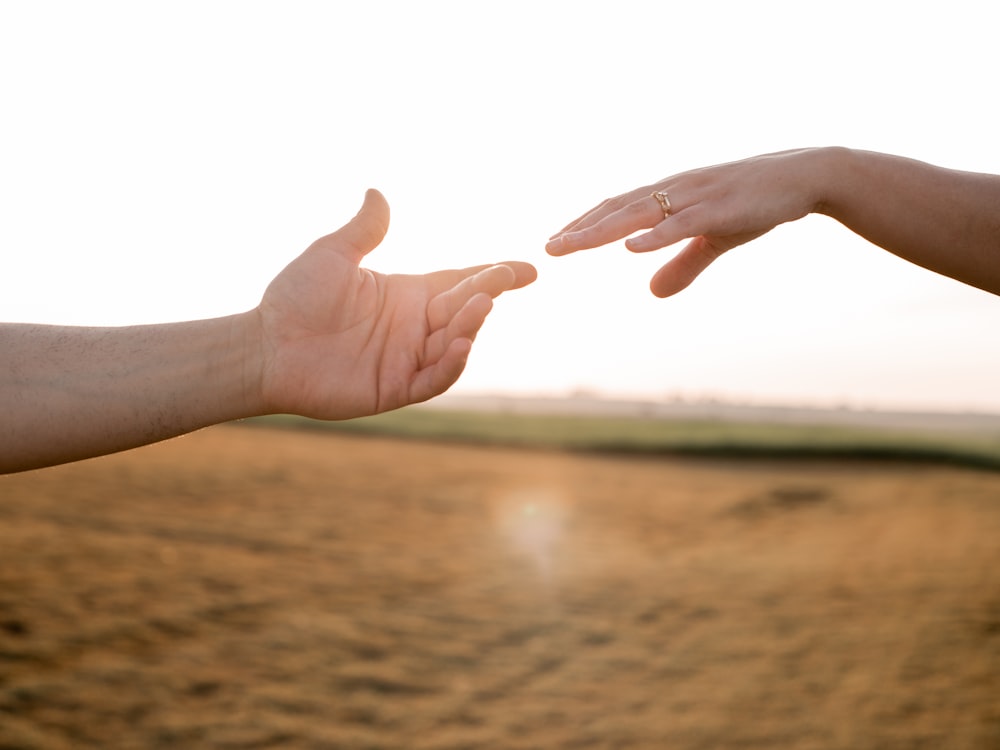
363, 233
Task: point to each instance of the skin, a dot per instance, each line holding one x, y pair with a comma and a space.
329, 340
945, 220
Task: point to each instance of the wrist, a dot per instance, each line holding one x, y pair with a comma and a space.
246, 341
830, 170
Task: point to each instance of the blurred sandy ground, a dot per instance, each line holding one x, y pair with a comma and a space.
256, 588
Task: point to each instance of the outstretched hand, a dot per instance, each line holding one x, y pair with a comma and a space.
718, 207
340, 341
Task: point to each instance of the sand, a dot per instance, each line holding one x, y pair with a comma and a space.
255, 588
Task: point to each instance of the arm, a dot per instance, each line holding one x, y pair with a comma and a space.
944, 220
329, 340
68, 393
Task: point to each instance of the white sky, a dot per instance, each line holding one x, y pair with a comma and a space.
162, 161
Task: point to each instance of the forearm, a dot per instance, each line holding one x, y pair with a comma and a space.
72, 393
945, 220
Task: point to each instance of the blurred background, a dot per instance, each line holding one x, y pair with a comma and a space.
163, 162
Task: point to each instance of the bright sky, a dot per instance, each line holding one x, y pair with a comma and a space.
163, 161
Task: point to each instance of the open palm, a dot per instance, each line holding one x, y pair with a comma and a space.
341, 341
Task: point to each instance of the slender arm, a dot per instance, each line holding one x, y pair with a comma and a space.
945, 220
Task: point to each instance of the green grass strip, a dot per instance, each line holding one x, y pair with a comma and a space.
650, 436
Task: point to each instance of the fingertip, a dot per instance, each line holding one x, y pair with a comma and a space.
469, 318
453, 363
562, 245
374, 199
363, 233
658, 291
482, 303
524, 273
665, 283
640, 244
375, 203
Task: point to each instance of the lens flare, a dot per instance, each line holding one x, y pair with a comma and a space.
533, 521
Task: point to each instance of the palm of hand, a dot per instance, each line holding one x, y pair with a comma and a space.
341, 341
346, 347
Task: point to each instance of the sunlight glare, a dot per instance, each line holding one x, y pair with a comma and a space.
533, 521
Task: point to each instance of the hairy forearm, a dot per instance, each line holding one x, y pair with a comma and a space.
68, 393
945, 220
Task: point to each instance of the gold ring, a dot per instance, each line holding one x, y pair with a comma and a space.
664, 201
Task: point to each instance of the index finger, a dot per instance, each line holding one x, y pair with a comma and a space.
604, 208
643, 213
524, 274
458, 287
492, 281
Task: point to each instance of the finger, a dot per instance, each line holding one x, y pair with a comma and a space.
457, 285
524, 274
491, 281
602, 209
673, 228
684, 268
361, 234
594, 214
640, 214
440, 376
465, 324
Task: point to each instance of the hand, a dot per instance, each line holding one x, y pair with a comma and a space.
340, 341
720, 207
